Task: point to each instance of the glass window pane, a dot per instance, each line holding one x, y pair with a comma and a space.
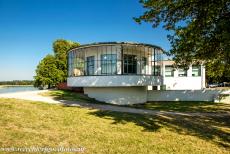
143, 64
196, 70
169, 71
130, 64
182, 72
109, 64
90, 65
157, 70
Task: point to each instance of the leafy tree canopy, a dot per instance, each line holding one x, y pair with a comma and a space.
52, 69
60, 48
201, 31
47, 72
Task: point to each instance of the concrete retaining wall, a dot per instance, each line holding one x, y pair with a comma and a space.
136, 95
183, 95
118, 95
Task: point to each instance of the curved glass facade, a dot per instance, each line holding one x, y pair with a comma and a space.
115, 59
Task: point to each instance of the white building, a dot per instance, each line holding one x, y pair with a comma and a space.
125, 73
181, 79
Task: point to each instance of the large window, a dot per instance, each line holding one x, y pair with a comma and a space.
130, 64
115, 59
196, 71
108, 64
78, 67
90, 65
182, 72
157, 70
169, 71
70, 64
143, 63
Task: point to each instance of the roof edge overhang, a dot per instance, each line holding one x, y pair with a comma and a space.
116, 43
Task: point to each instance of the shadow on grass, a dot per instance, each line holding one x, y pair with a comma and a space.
185, 106
213, 128
69, 95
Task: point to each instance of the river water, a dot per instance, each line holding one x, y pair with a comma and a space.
10, 89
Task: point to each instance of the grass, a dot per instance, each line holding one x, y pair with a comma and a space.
26, 124
185, 106
68, 95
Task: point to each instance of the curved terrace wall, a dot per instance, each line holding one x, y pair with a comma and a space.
117, 64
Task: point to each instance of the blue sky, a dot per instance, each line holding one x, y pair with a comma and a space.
28, 28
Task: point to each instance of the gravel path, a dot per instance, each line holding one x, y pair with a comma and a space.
34, 96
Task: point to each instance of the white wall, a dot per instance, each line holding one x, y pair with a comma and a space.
137, 95
132, 89
113, 81
188, 82
183, 83
183, 95
118, 95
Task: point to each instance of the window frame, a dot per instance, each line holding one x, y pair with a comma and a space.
199, 70
143, 64
92, 66
130, 61
112, 62
171, 71
185, 74
157, 70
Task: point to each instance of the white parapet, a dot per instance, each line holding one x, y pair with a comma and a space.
114, 81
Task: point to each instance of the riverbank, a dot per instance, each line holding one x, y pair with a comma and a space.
2, 86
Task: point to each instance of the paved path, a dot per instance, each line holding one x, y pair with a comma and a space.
34, 96
138, 111
30, 95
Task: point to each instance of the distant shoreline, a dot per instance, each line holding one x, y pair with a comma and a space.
2, 86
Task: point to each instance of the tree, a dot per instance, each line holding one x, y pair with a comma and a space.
47, 72
200, 31
52, 70
60, 48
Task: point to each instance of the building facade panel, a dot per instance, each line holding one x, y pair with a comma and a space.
114, 81
181, 79
118, 95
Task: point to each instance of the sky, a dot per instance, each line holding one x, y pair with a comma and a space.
29, 27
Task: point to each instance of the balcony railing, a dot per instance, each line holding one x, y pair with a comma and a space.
115, 59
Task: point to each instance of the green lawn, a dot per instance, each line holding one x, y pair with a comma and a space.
185, 106
26, 124
68, 95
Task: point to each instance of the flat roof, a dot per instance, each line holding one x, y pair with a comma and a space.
119, 43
